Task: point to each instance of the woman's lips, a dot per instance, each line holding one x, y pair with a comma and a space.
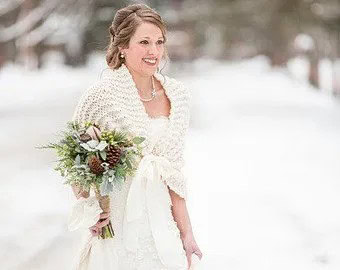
148, 63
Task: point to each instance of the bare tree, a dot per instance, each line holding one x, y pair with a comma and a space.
46, 23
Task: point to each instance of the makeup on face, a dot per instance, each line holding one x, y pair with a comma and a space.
146, 48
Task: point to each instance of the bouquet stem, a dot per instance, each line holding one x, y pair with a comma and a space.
104, 202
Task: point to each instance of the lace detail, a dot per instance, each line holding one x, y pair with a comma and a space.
146, 257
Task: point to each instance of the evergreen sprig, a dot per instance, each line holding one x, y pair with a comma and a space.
73, 155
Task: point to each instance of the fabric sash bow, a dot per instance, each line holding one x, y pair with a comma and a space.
148, 184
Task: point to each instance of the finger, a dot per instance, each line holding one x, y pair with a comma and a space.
104, 215
189, 254
199, 254
94, 231
92, 228
103, 223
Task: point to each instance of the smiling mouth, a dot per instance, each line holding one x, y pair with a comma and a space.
150, 61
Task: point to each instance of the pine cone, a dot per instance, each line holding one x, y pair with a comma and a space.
85, 137
95, 165
113, 155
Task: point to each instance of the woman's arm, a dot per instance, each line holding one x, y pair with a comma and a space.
181, 216
180, 213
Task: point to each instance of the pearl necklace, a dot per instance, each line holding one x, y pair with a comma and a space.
153, 92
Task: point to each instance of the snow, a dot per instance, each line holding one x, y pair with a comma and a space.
261, 159
304, 42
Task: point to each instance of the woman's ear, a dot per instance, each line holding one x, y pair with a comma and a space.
122, 50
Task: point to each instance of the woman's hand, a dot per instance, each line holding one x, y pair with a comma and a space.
104, 220
78, 192
190, 247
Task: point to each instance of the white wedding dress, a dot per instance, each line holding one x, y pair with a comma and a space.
141, 244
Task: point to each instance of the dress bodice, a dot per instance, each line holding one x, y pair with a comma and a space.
157, 129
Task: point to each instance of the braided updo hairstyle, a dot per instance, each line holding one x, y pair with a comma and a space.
124, 26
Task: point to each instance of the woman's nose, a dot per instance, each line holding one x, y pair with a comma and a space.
153, 49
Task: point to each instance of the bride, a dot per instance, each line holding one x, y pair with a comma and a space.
148, 213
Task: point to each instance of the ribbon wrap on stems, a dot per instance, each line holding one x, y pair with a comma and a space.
104, 202
148, 184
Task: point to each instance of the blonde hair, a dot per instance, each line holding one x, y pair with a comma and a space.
124, 26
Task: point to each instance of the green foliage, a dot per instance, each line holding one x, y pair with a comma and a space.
73, 155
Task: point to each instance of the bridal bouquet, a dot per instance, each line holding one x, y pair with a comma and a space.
100, 160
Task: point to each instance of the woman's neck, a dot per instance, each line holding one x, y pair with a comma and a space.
143, 83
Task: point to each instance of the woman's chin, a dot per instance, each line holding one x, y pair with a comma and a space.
150, 71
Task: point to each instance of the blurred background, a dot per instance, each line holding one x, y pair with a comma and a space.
262, 152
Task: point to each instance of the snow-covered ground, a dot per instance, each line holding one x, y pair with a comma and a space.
262, 159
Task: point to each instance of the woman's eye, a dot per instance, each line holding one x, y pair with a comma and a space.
146, 42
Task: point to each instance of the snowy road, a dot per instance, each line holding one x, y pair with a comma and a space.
262, 159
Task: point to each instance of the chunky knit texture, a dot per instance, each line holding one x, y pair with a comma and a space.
113, 102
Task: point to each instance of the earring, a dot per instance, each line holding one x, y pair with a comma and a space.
122, 55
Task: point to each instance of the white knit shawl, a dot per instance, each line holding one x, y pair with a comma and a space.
113, 102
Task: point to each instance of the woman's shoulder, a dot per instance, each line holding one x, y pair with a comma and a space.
97, 88
98, 91
96, 99
177, 86
93, 96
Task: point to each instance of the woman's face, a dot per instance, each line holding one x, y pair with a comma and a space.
146, 48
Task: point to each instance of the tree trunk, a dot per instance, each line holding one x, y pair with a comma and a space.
278, 58
26, 53
313, 76
336, 77
336, 65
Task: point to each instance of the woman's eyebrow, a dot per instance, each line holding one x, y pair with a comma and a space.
149, 38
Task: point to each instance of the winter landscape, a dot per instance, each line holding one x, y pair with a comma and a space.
262, 160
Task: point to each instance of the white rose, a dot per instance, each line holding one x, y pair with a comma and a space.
94, 133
